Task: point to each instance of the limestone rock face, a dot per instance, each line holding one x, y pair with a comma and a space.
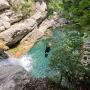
19, 30
8, 18
4, 5
13, 77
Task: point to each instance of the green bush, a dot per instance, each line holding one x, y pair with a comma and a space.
66, 60
23, 7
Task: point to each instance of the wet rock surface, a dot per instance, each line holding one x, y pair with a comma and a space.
13, 77
3, 55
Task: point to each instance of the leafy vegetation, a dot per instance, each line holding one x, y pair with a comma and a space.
66, 61
78, 12
23, 7
55, 5
66, 58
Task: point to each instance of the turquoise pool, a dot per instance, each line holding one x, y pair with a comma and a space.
39, 62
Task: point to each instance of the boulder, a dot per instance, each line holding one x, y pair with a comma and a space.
13, 77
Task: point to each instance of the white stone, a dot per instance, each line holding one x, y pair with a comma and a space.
6, 24
4, 4
1, 22
9, 13
2, 28
5, 18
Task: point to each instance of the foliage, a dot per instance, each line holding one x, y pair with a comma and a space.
23, 7
55, 5
65, 60
77, 11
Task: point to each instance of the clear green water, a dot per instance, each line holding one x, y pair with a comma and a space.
39, 62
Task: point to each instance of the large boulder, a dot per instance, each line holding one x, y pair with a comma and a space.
13, 77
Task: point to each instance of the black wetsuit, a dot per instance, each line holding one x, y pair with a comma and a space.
47, 51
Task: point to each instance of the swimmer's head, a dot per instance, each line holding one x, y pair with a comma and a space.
49, 44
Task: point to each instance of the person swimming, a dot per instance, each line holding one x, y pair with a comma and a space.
47, 50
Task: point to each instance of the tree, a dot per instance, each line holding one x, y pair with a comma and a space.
65, 60
78, 12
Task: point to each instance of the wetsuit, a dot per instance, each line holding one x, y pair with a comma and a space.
47, 51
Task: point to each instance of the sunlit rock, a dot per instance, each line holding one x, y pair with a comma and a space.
4, 5
3, 55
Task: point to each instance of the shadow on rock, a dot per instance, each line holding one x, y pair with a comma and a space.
3, 55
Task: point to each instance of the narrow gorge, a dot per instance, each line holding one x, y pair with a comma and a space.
32, 29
